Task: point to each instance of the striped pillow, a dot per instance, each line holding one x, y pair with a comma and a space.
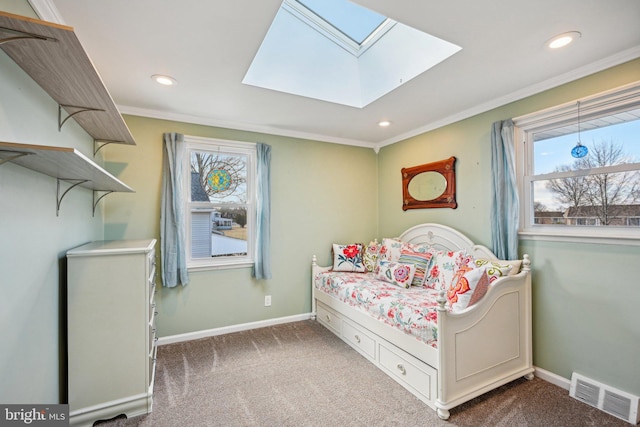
420, 259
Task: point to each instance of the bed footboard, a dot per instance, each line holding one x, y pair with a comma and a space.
486, 345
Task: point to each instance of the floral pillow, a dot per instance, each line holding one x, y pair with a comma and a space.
348, 258
421, 261
390, 250
443, 267
468, 287
395, 273
497, 269
370, 255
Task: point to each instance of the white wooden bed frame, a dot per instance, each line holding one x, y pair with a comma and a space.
479, 349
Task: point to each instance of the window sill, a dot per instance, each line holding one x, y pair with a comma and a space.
209, 267
623, 240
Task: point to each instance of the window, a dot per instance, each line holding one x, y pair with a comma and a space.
338, 51
356, 22
220, 202
597, 195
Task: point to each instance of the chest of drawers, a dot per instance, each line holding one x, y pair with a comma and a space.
111, 341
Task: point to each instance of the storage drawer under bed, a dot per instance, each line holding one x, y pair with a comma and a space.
410, 372
360, 339
329, 318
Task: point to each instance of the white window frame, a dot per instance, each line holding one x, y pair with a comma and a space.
602, 104
194, 143
327, 29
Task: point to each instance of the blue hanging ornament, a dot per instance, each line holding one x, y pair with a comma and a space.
579, 151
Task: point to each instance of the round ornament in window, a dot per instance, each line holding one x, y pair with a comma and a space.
219, 180
579, 151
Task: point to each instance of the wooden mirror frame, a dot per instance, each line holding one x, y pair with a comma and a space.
446, 200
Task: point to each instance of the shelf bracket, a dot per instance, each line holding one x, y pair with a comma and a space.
23, 35
74, 183
95, 201
80, 110
14, 155
97, 147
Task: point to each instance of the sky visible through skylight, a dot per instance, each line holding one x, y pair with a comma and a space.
355, 21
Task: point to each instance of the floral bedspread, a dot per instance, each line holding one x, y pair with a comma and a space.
411, 310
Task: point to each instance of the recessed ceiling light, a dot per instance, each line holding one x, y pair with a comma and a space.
164, 80
561, 40
384, 123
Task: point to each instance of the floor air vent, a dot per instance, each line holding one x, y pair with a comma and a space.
612, 401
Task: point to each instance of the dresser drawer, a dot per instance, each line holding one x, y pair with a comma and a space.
329, 318
152, 366
360, 339
152, 335
151, 265
408, 371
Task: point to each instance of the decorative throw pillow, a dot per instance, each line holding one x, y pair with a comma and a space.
370, 255
348, 258
443, 266
395, 273
468, 287
421, 261
496, 269
390, 250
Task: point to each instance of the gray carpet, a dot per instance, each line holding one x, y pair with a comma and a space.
300, 374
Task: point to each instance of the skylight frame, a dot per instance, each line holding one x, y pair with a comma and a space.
328, 30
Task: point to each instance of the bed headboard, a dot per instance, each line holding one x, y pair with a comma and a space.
446, 238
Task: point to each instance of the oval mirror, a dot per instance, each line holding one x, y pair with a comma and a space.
427, 186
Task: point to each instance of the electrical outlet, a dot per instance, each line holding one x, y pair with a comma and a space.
267, 301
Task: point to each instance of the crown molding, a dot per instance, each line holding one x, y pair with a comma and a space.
594, 67
271, 130
47, 11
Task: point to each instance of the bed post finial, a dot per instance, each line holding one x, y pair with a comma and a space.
526, 263
314, 260
441, 300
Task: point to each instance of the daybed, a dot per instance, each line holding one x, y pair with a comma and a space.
443, 353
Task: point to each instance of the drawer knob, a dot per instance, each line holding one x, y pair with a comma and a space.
328, 318
401, 368
357, 339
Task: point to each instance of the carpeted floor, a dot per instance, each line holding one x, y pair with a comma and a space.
300, 374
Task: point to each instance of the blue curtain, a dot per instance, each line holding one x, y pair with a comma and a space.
173, 259
505, 208
262, 264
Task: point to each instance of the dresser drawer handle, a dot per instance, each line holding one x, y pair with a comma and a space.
401, 368
357, 339
328, 318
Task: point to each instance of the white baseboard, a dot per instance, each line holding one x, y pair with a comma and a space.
552, 378
233, 328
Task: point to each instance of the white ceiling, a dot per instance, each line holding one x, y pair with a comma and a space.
209, 45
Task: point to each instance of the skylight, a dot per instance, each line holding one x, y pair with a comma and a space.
337, 51
356, 22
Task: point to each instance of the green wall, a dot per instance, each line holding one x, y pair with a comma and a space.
585, 296
585, 317
33, 240
321, 193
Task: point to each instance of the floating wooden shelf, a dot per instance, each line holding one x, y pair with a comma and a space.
65, 164
52, 55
